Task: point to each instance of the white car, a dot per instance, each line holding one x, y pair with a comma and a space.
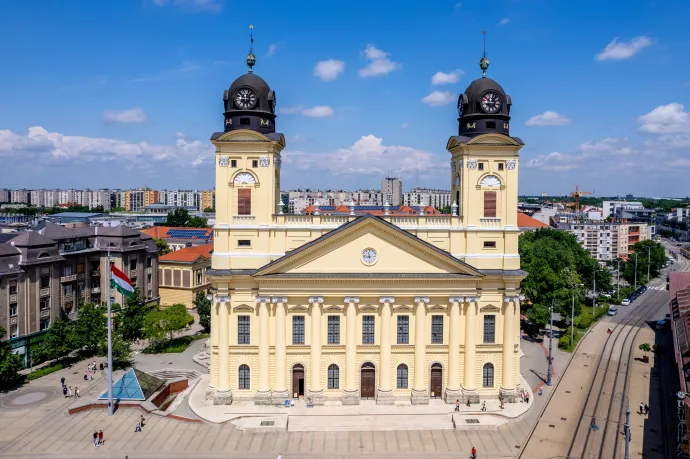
606, 295
625, 302
612, 311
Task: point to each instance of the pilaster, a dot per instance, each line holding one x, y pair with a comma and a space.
507, 391
384, 395
263, 393
469, 388
223, 393
351, 391
420, 395
280, 392
315, 392
453, 388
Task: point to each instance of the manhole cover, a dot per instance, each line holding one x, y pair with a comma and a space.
267, 423
472, 420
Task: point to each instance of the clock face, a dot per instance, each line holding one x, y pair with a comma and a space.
368, 256
245, 98
491, 102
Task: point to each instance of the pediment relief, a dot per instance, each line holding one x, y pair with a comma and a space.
437, 307
368, 307
403, 307
334, 308
298, 308
243, 308
490, 308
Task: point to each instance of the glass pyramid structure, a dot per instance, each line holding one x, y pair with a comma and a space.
134, 385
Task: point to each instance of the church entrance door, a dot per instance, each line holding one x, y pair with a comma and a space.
368, 381
298, 381
436, 381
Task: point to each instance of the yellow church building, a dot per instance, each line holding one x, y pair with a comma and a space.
344, 306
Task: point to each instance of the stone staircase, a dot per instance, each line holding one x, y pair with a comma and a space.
168, 374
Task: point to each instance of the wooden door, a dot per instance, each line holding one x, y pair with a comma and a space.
368, 381
436, 385
298, 381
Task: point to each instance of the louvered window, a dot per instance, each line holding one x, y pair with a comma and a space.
489, 204
244, 201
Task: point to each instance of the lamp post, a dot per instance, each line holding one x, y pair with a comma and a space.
594, 300
618, 282
572, 317
548, 370
649, 260
635, 271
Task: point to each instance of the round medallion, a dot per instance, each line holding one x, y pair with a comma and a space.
369, 256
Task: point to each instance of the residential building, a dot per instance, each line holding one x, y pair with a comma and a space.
49, 272
680, 214
334, 307
37, 198
208, 200
527, 223
679, 305
181, 198
607, 241
4, 195
182, 274
179, 238
136, 200
391, 187
65, 197
51, 198
427, 197
20, 196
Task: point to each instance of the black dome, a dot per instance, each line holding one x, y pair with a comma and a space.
474, 119
258, 117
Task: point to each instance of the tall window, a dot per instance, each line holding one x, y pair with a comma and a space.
488, 375
244, 201
13, 287
489, 204
436, 329
489, 329
297, 329
333, 329
333, 376
13, 309
44, 324
367, 329
243, 330
402, 377
44, 303
244, 378
403, 329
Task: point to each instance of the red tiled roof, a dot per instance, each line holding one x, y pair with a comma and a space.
189, 254
525, 221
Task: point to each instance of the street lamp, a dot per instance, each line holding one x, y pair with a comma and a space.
649, 260
618, 282
635, 271
594, 300
549, 370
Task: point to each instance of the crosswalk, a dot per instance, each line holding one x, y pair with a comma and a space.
657, 287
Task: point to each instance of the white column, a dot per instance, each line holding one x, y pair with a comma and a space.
511, 304
214, 345
316, 390
263, 393
468, 384
281, 372
385, 394
453, 384
419, 393
351, 391
223, 395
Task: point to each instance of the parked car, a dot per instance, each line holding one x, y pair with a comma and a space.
606, 295
668, 317
625, 302
612, 311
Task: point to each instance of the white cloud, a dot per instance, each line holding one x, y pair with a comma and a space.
272, 49
318, 111
618, 50
379, 64
367, 156
446, 78
130, 116
611, 146
437, 98
404, 125
503, 21
665, 119
329, 70
548, 118
196, 5
551, 162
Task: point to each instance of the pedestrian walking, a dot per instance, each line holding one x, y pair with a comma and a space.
646, 409
500, 402
76, 392
522, 396
473, 453
641, 408
484, 405
100, 437
141, 420
468, 401
457, 405
95, 438
526, 397
62, 381
137, 428
86, 376
69, 391
540, 390
64, 391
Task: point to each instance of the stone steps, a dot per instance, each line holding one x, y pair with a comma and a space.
168, 374
382, 422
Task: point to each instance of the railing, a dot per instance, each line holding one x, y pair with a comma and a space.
67, 297
133, 274
70, 278
442, 220
298, 219
44, 292
337, 219
404, 221
243, 219
490, 222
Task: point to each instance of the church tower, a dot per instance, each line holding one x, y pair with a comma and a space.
247, 172
484, 174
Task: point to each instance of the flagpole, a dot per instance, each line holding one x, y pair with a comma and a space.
110, 342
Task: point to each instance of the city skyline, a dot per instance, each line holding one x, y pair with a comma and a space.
605, 110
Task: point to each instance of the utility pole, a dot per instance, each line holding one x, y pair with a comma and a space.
548, 370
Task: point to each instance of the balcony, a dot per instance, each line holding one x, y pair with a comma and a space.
149, 270
95, 273
490, 222
243, 219
67, 297
70, 278
44, 292
45, 313
95, 290
81, 276
133, 274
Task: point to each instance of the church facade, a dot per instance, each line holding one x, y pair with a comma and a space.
366, 304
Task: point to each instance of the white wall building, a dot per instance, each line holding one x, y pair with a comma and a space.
609, 207
391, 187
4, 195
427, 197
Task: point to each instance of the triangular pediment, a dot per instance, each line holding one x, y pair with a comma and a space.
348, 250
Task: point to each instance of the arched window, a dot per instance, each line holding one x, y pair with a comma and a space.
488, 375
402, 376
333, 376
244, 377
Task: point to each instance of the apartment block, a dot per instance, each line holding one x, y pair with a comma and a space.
4, 195
136, 200
427, 197
208, 199
20, 196
391, 187
607, 241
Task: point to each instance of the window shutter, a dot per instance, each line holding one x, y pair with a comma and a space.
489, 204
185, 278
244, 201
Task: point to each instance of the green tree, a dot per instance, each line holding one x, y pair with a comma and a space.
644, 347
209, 210
130, 320
655, 258
164, 323
58, 341
203, 308
197, 222
539, 315
177, 217
163, 247
10, 364
90, 328
121, 350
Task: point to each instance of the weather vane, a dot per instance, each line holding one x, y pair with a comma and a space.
484, 61
251, 58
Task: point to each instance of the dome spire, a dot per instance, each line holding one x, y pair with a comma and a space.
484, 61
251, 58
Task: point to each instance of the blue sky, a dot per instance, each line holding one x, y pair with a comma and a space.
127, 93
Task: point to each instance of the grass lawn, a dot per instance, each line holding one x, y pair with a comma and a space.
175, 345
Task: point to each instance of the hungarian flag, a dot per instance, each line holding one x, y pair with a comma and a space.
121, 282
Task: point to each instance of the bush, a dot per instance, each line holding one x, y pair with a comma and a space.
173, 346
46, 371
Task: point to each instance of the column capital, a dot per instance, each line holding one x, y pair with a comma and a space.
222, 298
263, 299
316, 299
513, 298
473, 299
351, 299
279, 299
387, 299
456, 299
421, 299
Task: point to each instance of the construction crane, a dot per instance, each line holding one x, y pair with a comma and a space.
577, 194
